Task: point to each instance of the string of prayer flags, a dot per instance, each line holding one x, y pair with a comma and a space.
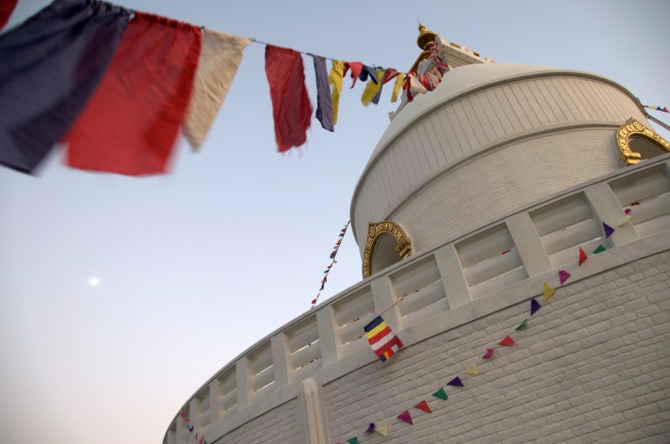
582, 256
370, 429
507, 341
456, 382
548, 291
608, 230
657, 108
382, 339
600, 249
291, 108
131, 122
522, 326
51, 66
332, 256
534, 306
406, 417
441, 394
472, 370
423, 406
6, 9
563, 276
220, 56
324, 105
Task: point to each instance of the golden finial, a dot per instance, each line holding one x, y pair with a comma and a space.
426, 36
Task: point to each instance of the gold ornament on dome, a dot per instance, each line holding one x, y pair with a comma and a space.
375, 230
634, 128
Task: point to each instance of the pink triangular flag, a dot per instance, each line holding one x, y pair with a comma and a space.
423, 405
488, 354
563, 276
582, 256
405, 416
507, 341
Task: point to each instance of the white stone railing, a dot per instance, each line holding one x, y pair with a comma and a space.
328, 341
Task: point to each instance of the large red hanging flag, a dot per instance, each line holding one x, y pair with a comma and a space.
291, 109
131, 123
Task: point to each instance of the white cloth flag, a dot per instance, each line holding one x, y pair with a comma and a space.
220, 57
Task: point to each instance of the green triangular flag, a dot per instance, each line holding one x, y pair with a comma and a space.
441, 394
523, 325
352, 440
600, 249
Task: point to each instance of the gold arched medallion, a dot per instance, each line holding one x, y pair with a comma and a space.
628, 131
403, 244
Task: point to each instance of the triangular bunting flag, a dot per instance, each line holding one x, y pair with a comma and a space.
488, 354
582, 256
441, 394
507, 341
382, 429
405, 416
423, 405
600, 249
548, 291
370, 429
534, 306
608, 230
353, 440
472, 370
522, 326
456, 382
563, 276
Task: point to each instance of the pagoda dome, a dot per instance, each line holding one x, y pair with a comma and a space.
489, 139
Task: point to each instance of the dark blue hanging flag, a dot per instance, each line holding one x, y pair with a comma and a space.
324, 107
51, 64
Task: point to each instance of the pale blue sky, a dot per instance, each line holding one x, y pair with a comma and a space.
196, 266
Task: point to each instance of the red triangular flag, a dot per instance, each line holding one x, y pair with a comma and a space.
507, 341
423, 405
582, 256
405, 416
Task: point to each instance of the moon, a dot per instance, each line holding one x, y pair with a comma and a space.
94, 281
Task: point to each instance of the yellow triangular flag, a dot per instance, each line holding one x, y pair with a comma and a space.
548, 292
382, 429
472, 370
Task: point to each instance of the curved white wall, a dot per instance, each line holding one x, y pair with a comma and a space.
500, 124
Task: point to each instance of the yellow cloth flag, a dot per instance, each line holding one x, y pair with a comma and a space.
548, 292
382, 429
371, 89
335, 80
397, 86
472, 370
220, 57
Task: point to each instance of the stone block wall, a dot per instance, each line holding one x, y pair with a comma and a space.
593, 366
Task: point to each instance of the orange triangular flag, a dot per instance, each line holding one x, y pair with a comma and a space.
423, 405
582, 256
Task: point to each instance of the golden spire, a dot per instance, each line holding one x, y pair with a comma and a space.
426, 37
